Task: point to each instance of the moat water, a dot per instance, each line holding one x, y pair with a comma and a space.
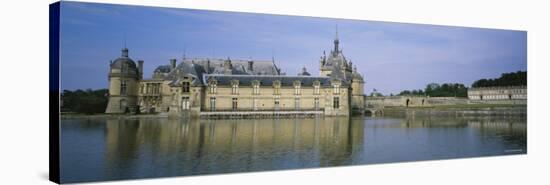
111, 149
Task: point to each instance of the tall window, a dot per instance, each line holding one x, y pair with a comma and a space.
123, 87
213, 88
123, 105
256, 88
156, 88
316, 103
185, 103
297, 87
255, 104
234, 105
336, 103
277, 87
277, 104
336, 89
316, 88
297, 103
234, 87
141, 88
212, 104
185, 87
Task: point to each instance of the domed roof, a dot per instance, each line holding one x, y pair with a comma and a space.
124, 60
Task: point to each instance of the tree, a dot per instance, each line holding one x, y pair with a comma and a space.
85, 101
518, 78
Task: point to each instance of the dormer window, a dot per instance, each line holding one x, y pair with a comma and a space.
255, 87
212, 85
277, 87
185, 87
234, 87
336, 88
297, 85
316, 87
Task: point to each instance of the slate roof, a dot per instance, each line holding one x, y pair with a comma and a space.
240, 67
267, 80
183, 70
123, 60
163, 69
203, 69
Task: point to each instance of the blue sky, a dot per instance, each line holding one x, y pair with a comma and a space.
391, 56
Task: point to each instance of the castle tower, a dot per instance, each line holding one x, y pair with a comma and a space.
357, 92
124, 77
335, 61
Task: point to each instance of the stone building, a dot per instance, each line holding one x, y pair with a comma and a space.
210, 87
498, 93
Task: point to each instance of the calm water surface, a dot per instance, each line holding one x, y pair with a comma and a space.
110, 149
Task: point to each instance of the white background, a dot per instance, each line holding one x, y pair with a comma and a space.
24, 91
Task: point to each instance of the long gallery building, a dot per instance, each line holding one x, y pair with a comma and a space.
225, 87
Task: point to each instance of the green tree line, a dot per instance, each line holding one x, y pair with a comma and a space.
439, 90
518, 78
85, 101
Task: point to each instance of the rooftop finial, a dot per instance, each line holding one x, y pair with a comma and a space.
124, 52
125, 49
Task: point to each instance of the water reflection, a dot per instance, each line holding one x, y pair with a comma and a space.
153, 147
208, 146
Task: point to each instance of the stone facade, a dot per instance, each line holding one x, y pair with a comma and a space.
498, 93
199, 85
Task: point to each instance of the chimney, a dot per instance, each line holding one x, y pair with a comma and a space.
228, 67
140, 68
227, 64
172, 64
250, 65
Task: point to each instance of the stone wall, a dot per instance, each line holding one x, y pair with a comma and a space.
413, 101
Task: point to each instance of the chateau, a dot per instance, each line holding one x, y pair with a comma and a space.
225, 87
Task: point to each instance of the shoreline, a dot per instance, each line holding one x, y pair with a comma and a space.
450, 110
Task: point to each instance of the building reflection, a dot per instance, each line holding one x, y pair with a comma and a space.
193, 146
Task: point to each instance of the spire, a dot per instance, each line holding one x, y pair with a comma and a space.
336, 38
336, 42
